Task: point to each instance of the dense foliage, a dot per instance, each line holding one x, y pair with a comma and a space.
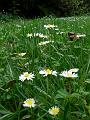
32, 8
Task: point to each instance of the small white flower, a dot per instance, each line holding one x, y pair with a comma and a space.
54, 110
30, 35
45, 42
49, 26
36, 34
21, 54
26, 75
43, 36
47, 72
29, 103
70, 74
78, 36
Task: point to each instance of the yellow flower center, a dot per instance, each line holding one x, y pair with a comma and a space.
26, 75
48, 71
69, 74
29, 102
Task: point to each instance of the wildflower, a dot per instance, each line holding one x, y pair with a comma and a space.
47, 72
40, 35
44, 43
21, 54
54, 110
49, 26
70, 74
37, 35
26, 75
30, 35
79, 36
29, 103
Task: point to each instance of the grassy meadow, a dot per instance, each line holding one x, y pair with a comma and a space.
35, 57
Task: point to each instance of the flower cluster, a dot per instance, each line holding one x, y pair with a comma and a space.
30, 102
49, 26
72, 73
40, 35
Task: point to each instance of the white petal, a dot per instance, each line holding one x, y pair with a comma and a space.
54, 73
64, 73
42, 72
33, 105
21, 77
74, 70
75, 75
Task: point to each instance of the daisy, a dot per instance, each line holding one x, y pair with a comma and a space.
47, 72
79, 36
49, 26
29, 103
40, 35
21, 54
45, 42
70, 74
26, 75
30, 35
54, 110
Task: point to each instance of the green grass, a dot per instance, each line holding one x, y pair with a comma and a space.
72, 96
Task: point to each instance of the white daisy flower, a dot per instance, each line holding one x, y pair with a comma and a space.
47, 72
21, 54
54, 110
45, 42
29, 103
30, 35
78, 36
49, 26
70, 74
42, 36
26, 75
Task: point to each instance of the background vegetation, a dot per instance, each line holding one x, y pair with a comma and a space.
34, 8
